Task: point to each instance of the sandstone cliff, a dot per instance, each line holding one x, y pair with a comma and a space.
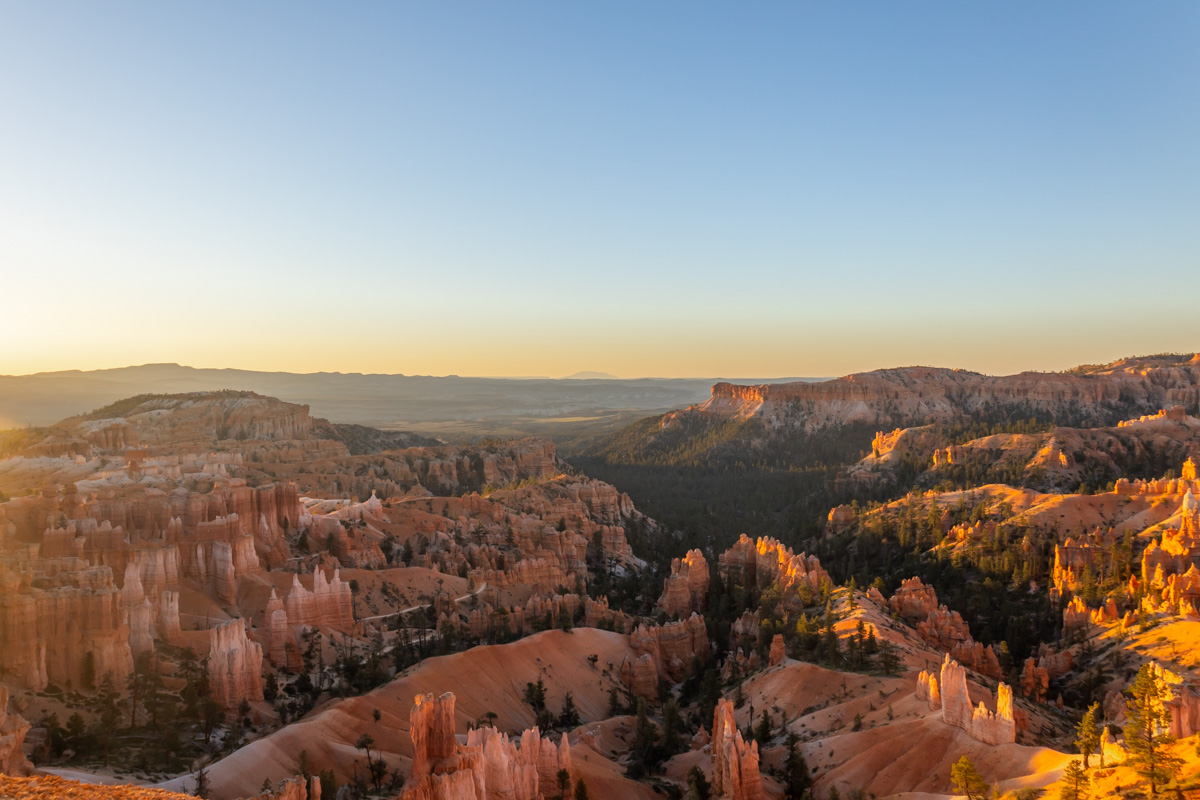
919, 395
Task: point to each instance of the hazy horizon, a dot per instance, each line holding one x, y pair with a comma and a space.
576, 374
640, 190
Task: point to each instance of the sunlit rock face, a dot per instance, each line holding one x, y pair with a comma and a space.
942, 628
764, 561
920, 395
686, 588
489, 766
949, 694
734, 761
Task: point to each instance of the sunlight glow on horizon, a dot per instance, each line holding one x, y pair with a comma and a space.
538, 190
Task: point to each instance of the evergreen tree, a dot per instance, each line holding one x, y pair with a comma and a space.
569, 716
1087, 733
645, 742
581, 792
109, 713
967, 780
764, 729
797, 779
1146, 735
672, 735
202, 785
1074, 782
564, 782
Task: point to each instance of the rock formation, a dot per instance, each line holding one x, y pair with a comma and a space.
329, 604
55, 613
489, 766
1035, 681
913, 600
920, 395
776, 655
735, 762
234, 664
13, 728
997, 727
673, 646
686, 588
759, 563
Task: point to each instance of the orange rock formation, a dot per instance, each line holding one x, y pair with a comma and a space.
735, 762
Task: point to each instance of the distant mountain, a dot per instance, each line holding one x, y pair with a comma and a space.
441, 406
450, 406
591, 376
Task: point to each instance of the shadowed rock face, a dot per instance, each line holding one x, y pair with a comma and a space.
234, 664
13, 728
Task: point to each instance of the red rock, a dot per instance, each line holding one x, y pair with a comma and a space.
234, 664
920, 395
913, 600
997, 727
329, 604
45, 632
673, 646
13, 728
686, 588
488, 766
735, 763
777, 653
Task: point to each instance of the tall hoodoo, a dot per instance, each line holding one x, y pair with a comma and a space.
234, 664
735, 763
997, 727
431, 725
686, 588
490, 766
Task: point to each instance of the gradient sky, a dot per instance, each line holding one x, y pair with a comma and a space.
665, 188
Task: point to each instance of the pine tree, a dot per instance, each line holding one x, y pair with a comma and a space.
569, 716
764, 729
581, 792
1145, 734
672, 735
967, 780
645, 742
1074, 782
795, 770
1087, 734
110, 713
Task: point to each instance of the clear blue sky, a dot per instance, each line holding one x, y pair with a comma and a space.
661, 188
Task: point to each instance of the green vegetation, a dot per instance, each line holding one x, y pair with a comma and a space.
967, 780
1146, 735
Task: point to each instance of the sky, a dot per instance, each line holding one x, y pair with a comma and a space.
666, 189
